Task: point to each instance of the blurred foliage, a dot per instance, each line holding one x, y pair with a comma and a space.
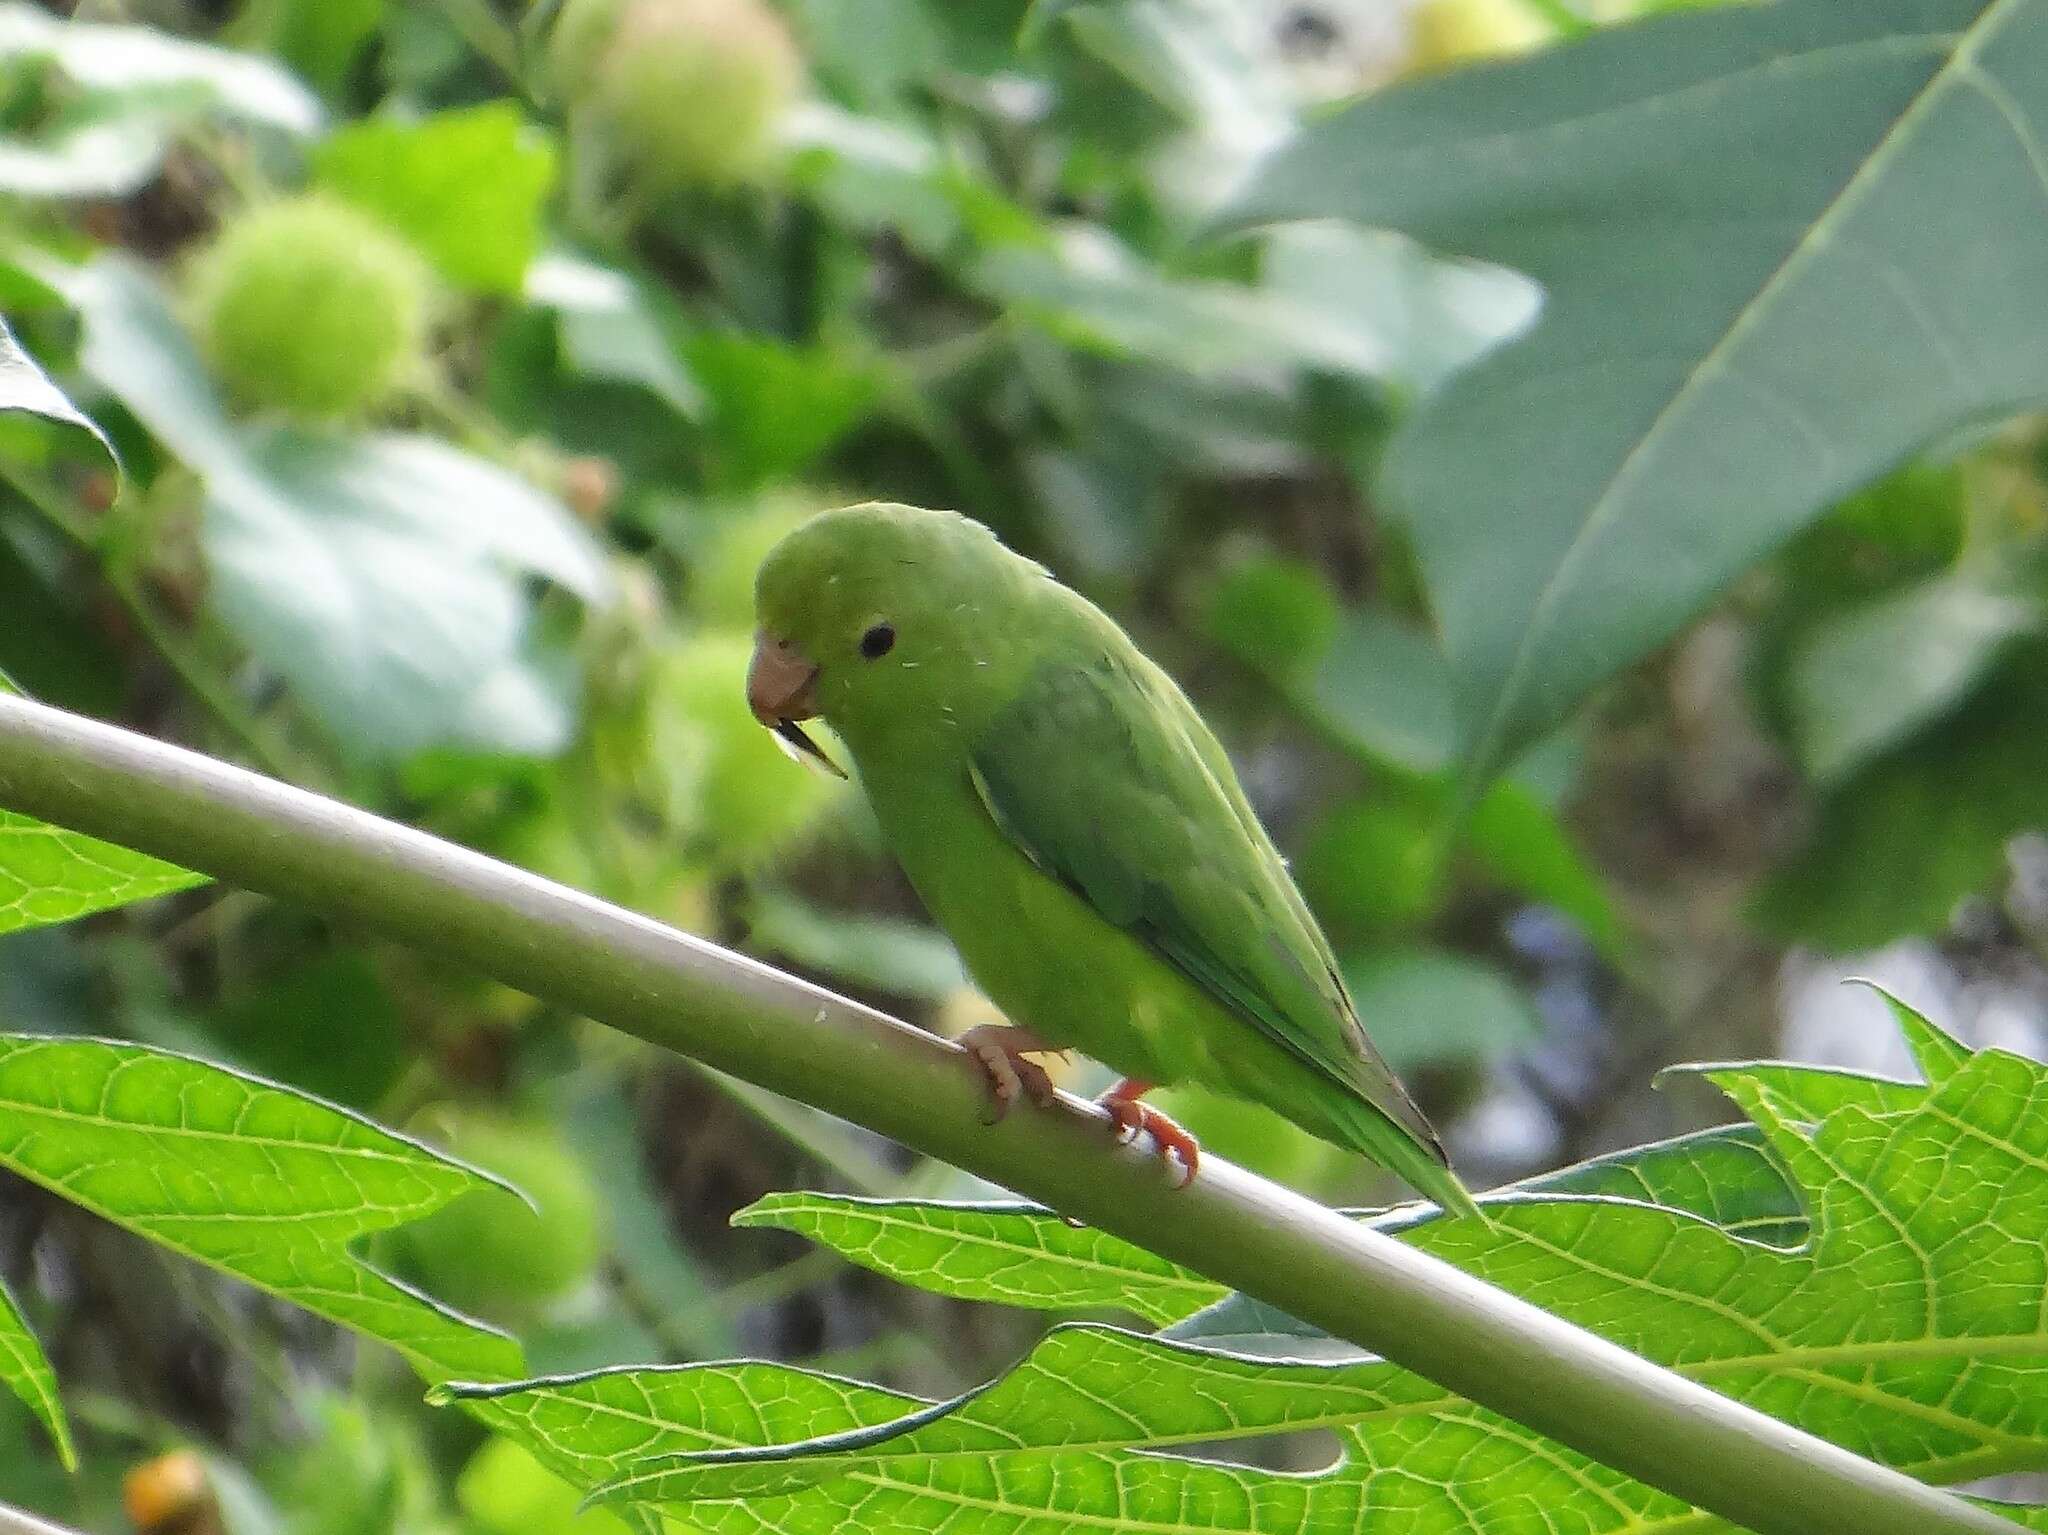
458, 360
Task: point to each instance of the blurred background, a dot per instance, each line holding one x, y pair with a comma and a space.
465, 356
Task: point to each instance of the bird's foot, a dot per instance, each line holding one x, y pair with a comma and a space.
999, 1051
1130, 1118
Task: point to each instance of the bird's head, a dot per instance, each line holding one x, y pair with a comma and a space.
878, 615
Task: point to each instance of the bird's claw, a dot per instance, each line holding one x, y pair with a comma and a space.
999, 1054
1128, 1119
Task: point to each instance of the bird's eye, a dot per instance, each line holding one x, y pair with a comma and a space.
878, 641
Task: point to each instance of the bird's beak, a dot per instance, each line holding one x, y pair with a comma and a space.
781, 683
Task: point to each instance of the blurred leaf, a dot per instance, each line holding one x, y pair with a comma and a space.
491, 1251
1277, 615
1213, 65
608, 329
1432, 316
505, 1491
255, 1179
321, 39
1902, 841
1092, 291
775, 407
49, 875
100, 147
1904, 1294
1377, 864
56, 648
380, 574
1781, 245
1429, 1007
985, 1252
137, 87
658, 1270
24, 387
883, 177
1863, 680
905, 958
1520, 841
467, 187
119, 58
1382, 688
346, 1040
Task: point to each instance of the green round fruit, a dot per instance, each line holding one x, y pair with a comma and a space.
684, 92
311, 307
487, 1250
728, 779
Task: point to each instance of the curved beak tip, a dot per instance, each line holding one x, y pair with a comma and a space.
781, 683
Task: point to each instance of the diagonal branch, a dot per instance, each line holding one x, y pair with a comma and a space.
785, 1034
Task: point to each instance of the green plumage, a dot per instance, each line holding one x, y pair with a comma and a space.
1077, 829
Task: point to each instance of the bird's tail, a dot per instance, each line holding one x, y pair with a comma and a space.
1422, 1167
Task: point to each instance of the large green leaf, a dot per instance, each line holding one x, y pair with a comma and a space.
261, 1181
1781, 246
1908, 1327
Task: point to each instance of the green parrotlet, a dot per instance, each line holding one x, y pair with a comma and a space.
1075, 828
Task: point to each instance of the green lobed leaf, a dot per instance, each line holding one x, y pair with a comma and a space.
1016, 1254
466, 187
1908, 1328
1022, 1255
1781, 247
50, 875
592, 1427
25, 1369
258, 1180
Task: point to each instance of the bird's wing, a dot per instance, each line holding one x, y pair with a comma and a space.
1104, 776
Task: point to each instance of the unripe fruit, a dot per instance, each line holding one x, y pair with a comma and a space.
310, 306
727, 777
684, 92
487, 1250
